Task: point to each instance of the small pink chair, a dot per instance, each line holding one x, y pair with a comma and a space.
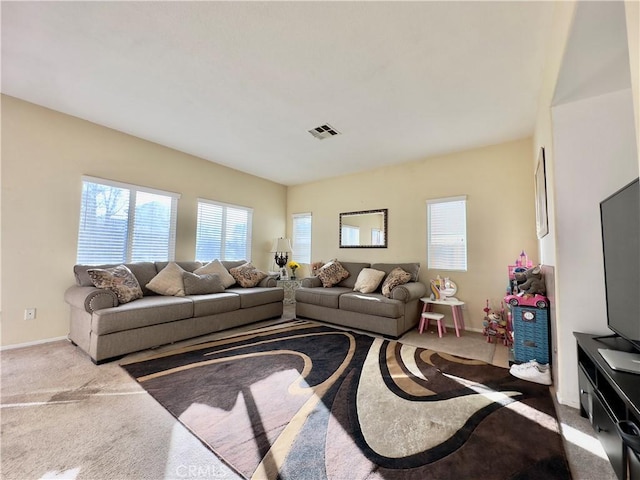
426, 319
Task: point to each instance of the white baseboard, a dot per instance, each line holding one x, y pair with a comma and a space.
31, 344
477, 330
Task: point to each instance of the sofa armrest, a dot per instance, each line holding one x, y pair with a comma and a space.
268, 282
90, 299
311, 282
409, 291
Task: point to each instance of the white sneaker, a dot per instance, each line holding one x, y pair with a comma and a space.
541, 366
532, 372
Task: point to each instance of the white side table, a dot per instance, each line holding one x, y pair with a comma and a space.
456, 310
290, 287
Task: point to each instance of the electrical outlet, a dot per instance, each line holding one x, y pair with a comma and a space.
30, 313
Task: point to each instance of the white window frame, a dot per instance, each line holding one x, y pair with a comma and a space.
131, 221
441, 248
225, 210
301, 246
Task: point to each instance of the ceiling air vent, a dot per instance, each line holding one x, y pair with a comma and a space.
324, 131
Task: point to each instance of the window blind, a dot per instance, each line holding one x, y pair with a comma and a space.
447, 233
301, 237
223, 231
125, 223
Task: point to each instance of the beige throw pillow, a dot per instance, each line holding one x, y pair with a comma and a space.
396, 277
168, 281
303, 271
332, 274
368, 280
219, 269
119, 280
202, 284
247, 275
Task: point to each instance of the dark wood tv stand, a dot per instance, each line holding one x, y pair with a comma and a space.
608, 396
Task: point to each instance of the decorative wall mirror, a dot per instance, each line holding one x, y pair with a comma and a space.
365, 229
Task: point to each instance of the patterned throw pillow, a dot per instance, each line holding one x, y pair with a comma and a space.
246, 275
396, 277
202, 284
168, 281
218, 268
119, 280
332, 274
368, 280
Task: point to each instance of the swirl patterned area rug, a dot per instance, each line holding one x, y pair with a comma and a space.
300, 400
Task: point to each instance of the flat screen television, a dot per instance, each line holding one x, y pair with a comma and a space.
620, 218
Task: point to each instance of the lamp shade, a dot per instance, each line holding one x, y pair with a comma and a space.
281, 245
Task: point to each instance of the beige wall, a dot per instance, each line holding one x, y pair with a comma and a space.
551, 253
500, 218
44, 155
632, 16
564, 13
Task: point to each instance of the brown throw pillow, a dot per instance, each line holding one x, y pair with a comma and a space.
396, 277
119, 280
246, 275
168, 281
202, 284
332, 274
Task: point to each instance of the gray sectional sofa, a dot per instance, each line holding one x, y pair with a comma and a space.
106, 329
373, 312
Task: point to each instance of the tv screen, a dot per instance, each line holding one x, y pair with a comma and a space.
620, 217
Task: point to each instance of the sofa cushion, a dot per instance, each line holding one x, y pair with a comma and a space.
396, 277
354, 269
143, 271
195, 284
143, 312
119, 280
371, 304
229, 264
213, 304
332, 273
413, 268
323, 297
187, 266
252, 297
168, 281
247, 276
368, 280
218, 268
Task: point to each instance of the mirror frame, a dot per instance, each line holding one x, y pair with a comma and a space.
385, 215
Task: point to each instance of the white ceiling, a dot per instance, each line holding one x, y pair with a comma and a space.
240, 83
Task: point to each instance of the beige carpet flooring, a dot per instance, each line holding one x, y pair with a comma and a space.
63, 417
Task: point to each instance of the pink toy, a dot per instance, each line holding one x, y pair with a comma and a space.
538, 301
496, 325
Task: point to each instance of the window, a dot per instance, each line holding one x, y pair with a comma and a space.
377, 236
301, 237
125, 223
350, 235
447, 233
223, 231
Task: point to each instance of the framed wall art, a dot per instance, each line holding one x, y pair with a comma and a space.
542, 220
